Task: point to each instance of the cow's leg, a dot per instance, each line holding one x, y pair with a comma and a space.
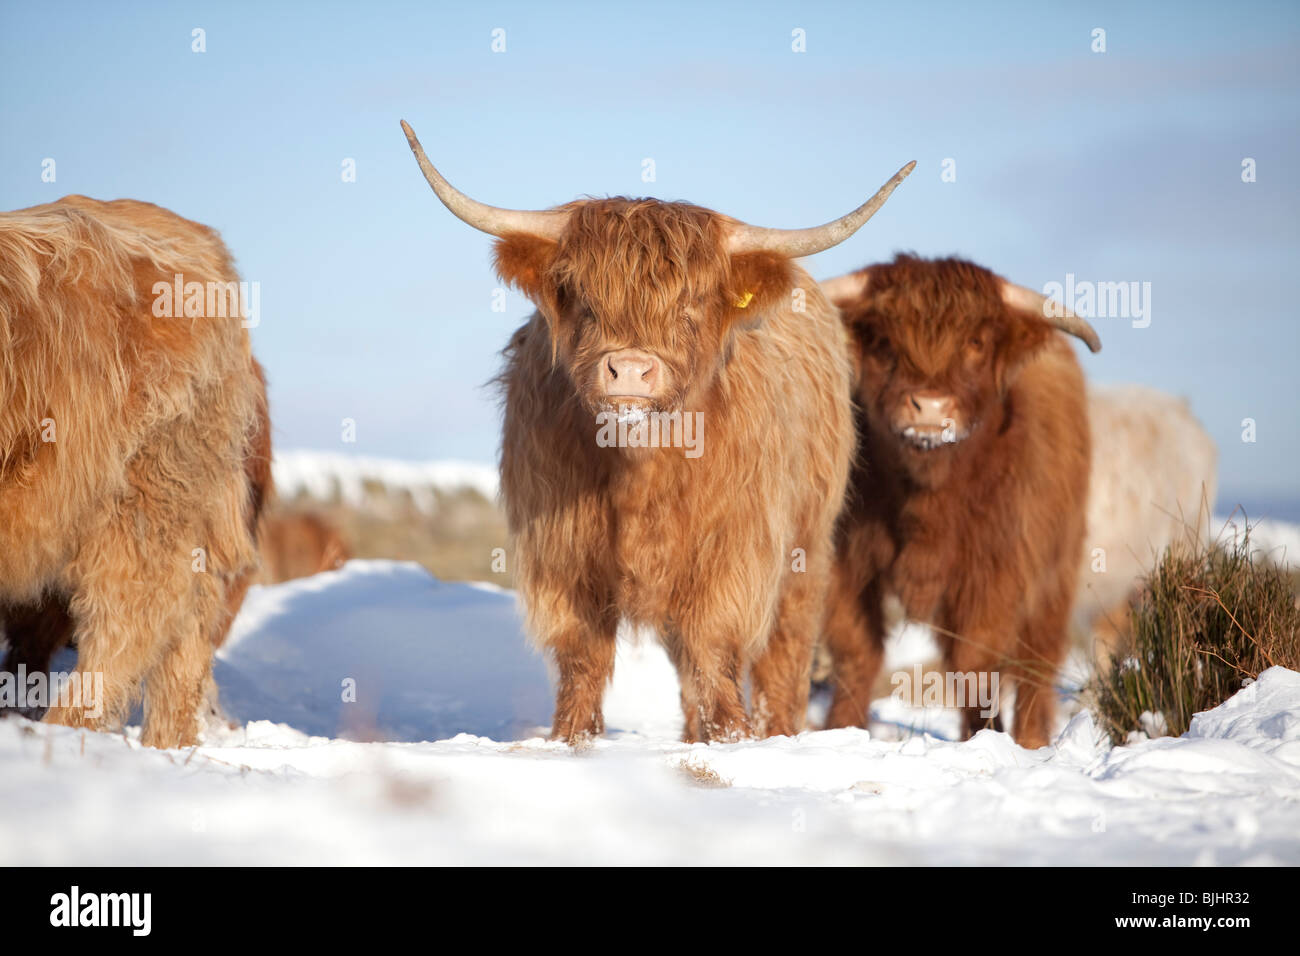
707, 643
855, 634
782, 673
694, 716
35, 633
713, 701
175, 688
692, 729
696, 713
971, 648
1034, 712
578, 627
136, 597
1038, 658
584, 659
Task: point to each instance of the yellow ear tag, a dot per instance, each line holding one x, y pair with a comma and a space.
745, 300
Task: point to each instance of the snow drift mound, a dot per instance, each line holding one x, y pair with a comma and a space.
428, 659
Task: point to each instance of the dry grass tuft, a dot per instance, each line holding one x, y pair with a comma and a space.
1209, 618
702, 775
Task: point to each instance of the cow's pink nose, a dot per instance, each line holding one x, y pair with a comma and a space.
630, 373
932, 409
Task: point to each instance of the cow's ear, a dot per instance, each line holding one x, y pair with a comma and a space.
523, 260
1024, 336
759, 282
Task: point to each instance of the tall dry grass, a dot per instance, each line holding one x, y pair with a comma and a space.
1209, 618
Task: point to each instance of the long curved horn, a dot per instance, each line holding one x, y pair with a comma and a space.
1018, 297
806, 242
490, 219
844, 289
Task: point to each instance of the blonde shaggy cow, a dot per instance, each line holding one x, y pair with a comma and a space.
134, 453
1154, 477
967, 503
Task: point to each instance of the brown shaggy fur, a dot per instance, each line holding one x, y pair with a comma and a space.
35, 633
702, 549
299, 544
981, 537
162, 447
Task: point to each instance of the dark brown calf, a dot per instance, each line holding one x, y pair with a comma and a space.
968, 497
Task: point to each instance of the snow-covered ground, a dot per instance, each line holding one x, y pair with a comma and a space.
441, 759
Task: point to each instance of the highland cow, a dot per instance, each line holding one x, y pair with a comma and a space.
1154, 474
36, 632
134, 454
968, 498
298, 544
668, 314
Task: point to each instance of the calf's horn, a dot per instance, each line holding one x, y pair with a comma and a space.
1018, 297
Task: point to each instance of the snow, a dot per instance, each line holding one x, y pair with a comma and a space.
442, 759
429, 659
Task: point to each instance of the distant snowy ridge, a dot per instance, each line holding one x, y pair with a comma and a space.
327, 476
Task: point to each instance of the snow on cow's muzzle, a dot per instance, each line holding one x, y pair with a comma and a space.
927, 420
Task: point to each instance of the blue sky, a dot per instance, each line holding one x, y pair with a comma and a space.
376, 303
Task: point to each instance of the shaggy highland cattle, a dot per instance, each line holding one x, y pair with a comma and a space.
967, 500
34, 633
134, 454
298, 544
1154, 475
677, 437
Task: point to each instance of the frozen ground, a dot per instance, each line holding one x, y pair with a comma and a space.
444, 679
